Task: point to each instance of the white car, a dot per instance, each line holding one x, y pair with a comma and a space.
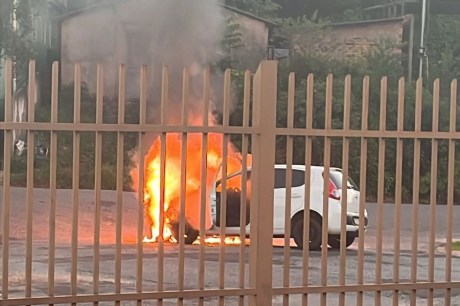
297, 205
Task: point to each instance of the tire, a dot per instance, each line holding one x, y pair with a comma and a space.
334, 241
190, 233
315, 232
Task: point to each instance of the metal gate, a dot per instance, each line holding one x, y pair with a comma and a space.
83, 246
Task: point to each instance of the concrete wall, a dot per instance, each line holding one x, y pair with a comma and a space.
350, 40
359, 38
92, 38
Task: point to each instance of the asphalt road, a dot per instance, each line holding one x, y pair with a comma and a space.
212, 254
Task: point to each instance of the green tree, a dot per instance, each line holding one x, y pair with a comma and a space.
443, 44
317, 9
17, 32
232, 40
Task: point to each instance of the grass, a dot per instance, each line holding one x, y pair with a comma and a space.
456, 246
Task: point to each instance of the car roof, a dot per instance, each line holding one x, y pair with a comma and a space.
294, 167
303, 167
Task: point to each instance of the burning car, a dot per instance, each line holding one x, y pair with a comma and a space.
174, 180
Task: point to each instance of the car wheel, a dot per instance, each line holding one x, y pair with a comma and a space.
190, 235
334, 241
315, 232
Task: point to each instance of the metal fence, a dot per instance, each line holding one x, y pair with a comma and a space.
59, 248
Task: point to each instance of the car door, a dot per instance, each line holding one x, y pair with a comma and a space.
279, 199
234, 194
280, 194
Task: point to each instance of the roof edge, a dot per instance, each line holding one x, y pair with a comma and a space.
245, 13
350, 23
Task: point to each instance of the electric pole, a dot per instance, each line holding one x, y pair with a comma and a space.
422, 50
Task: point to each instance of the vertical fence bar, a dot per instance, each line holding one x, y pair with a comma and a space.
97, 177
53, 173
223, 217
450, 189
326, 178
380, 189
398, 189
433, 190
362, 183
7, 178
244, 176
140, 192
306, 215
264, 119
344, 187
161, 219
223, 201
183, 182
75, 179
287, 210
203, 180
30, 176
120, 163
415, 189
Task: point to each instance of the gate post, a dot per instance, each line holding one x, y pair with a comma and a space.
263, 151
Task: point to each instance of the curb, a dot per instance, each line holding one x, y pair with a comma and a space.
442, 249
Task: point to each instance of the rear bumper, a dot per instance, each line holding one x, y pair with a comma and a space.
354, 220
352, 224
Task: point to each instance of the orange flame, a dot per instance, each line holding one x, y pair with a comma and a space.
172, 180
216, 240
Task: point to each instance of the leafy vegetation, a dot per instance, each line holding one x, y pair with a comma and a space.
317, 9
456, 246
379, 62
87, 145
444, 49
17, 39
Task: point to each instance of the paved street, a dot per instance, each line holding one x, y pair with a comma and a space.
232, 264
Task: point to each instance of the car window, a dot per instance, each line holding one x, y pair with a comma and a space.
298, 178
352, 184
336, 177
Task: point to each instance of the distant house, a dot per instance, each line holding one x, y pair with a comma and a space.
352, 39
349, 40
359, 37
127, 32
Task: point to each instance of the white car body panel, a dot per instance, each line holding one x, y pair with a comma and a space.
298, 203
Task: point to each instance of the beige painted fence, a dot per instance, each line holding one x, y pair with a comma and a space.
37, 263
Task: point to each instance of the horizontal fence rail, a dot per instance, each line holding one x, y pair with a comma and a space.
304, 191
